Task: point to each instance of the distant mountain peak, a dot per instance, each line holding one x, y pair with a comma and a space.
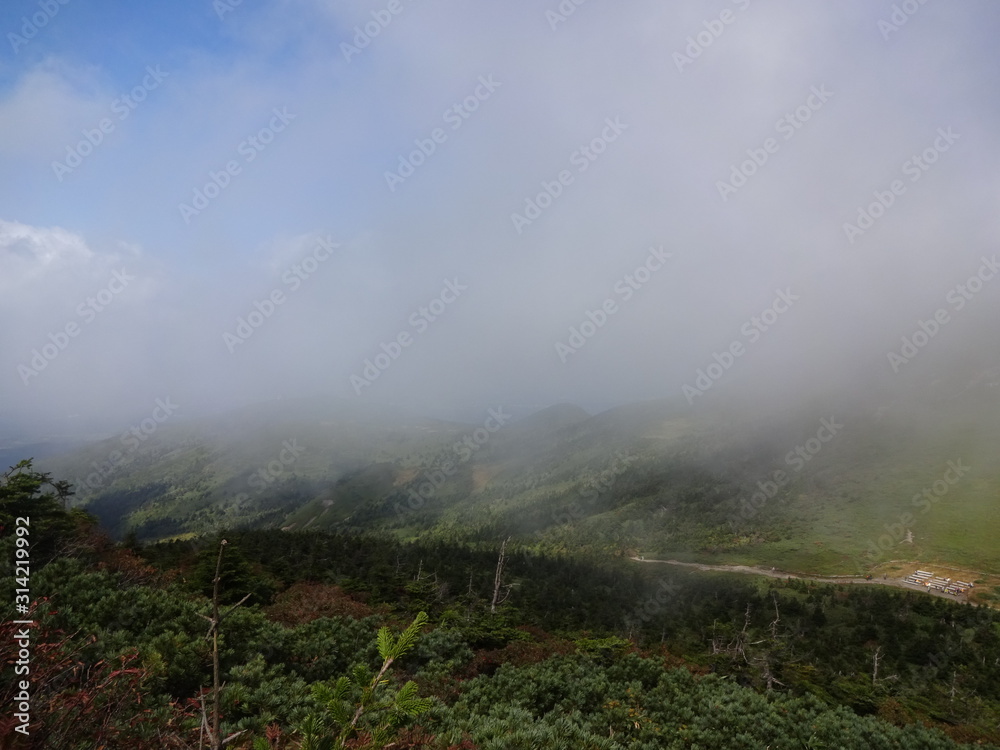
554, 417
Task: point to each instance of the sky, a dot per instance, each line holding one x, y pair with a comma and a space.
452, 206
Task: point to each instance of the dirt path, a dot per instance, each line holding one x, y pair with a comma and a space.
774, 573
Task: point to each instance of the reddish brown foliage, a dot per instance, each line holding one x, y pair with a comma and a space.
892, 710
89, 540
516, 653
304, 602
671, 661
418, 737
132, 568
74, 698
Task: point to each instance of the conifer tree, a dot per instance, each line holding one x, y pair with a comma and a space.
361, 704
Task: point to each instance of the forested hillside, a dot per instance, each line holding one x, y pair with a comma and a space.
821, 490
479, 645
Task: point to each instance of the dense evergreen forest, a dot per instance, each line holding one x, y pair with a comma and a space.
272, 639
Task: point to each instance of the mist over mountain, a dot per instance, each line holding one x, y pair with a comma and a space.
595, 208
813, 484
596, 341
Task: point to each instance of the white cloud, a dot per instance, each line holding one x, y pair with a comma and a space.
41, 113
656, 185
28, 254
